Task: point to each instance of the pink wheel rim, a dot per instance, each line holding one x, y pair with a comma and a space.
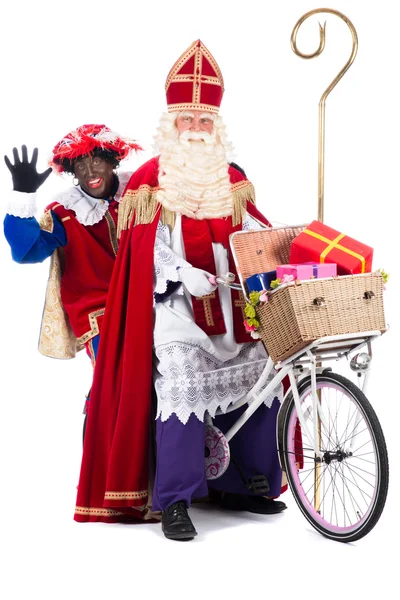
305, 490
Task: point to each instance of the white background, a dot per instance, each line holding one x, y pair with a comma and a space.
65, 64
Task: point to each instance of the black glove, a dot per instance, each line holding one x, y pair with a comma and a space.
24, 173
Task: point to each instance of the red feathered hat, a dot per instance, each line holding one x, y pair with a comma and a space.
195, 81
85, 139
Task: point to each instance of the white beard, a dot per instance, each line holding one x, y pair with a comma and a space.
193, 175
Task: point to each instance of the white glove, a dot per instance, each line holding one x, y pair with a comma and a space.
196, 281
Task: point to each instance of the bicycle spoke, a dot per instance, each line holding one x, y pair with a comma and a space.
363, 478
345, 483
362, 492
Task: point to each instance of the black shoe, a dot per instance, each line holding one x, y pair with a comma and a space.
176, 523
253, 504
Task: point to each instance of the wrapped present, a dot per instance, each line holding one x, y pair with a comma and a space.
260, 281
321, 270
296, 271
322, 244
308, 270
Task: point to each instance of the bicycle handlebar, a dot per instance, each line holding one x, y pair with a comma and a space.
227, 281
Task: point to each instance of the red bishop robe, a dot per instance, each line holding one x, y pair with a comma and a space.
114, 478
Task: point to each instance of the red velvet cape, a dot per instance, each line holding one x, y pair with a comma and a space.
114, 478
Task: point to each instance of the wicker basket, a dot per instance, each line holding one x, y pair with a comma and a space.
261, 250
299, 313
302, 312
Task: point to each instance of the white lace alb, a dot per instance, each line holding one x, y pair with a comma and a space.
190, 380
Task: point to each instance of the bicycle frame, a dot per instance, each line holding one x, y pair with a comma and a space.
302, 364
306, 411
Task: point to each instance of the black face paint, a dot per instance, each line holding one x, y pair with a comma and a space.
95, 175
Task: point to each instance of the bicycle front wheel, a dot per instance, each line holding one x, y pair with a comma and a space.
343, 494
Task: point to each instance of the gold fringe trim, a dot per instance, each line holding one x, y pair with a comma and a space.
168, 217
241, 193
143, 204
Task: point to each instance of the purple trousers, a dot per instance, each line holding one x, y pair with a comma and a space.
180, 473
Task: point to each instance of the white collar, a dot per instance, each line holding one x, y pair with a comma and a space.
89, 210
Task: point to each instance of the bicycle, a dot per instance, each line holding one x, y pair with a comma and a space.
338, 469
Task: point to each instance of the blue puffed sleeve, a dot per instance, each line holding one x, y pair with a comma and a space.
29, 243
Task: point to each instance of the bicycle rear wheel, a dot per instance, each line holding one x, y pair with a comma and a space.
343, 495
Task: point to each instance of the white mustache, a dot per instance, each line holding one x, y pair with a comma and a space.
188, 136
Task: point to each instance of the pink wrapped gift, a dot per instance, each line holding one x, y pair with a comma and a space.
296, 271
307, 270
323, 269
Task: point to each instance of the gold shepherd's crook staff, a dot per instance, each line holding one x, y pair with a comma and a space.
321, 128
321, 158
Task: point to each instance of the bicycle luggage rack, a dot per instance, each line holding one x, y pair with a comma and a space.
330, 348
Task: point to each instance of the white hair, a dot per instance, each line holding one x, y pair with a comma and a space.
193, 177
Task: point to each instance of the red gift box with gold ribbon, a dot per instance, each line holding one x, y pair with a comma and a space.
320, 243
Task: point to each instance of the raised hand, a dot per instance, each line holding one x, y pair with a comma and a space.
24, 173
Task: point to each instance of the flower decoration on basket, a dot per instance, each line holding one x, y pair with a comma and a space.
277, 282
251, 323
385, 276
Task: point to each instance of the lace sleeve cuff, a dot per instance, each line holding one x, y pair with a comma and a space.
22, 204
166, 262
